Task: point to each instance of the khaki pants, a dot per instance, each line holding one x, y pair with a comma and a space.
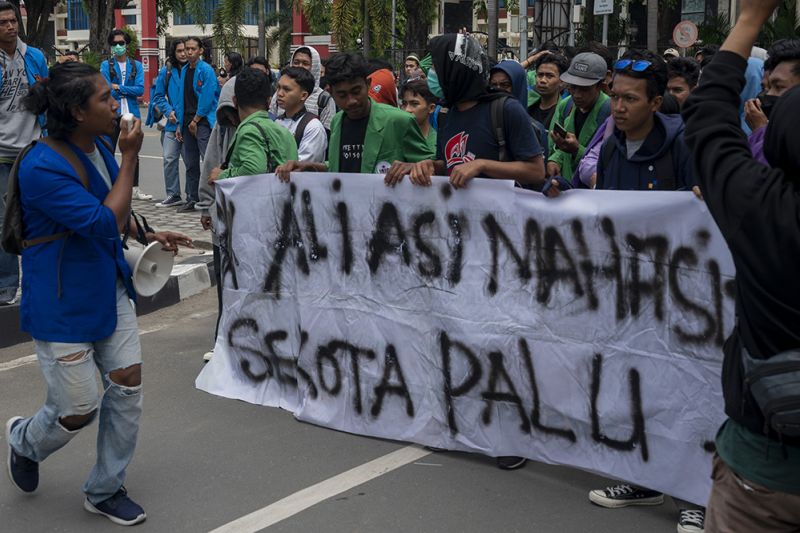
737, 505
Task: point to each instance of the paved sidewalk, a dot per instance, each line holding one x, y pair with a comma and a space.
168, 218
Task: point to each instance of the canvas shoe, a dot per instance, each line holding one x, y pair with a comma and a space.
139, 194
170, 201
23, 473
185, 208
624, 495
207, 356
691, 521
119, 509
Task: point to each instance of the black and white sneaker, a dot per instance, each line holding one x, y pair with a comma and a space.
691, 521
187, 207
170, 201
625, 495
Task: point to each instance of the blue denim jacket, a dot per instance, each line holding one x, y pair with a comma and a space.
69, 285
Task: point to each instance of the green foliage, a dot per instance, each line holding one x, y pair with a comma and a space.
785, 25
347, 23
281, 34
133, 46
715, 29
318, 15
164, 9
90, 57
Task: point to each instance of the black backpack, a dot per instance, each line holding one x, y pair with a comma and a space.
301, 127
112, 72
13, 239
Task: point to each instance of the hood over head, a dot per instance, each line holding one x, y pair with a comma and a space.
781, 142
382, 87
666, 129
225, 105
316, 63
519, 80
461, 66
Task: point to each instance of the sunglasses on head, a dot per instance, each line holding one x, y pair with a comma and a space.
639, 65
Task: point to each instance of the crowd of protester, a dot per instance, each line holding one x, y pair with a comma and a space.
559, 119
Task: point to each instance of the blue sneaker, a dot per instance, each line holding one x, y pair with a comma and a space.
119, 509
23, 472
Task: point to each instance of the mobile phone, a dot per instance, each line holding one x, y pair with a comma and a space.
559, 130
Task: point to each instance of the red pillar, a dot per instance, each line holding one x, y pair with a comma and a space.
300, 27
119, 22
149, 45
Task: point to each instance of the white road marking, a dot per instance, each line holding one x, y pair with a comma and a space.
30, 359
310, 496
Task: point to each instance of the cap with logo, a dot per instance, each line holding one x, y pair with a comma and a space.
671, 52
586, 69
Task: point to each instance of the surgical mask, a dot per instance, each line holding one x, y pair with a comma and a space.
767, 103
433, 85
119, 49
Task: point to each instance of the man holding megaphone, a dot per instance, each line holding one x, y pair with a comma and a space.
77, 293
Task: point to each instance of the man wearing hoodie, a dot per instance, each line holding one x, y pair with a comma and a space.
508, 76
646, 150
218, 144
756, 468
168, 98
319, 103
468, 145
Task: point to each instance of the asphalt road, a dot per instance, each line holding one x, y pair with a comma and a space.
203, 462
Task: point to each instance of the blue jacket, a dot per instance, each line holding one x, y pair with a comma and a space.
169, 99
85, 265
206, 87
639, 172
35, 68
131, 89
151, 119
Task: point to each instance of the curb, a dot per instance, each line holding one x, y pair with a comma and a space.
189, 277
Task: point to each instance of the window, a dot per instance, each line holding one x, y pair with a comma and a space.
187, 19
77, 19
250, 13
694, 10
130, 20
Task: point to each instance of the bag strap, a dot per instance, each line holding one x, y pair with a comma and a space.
64, 151
498, 126
270, 166
301, 127
112, 72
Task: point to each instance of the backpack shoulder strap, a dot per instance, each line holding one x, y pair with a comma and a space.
301, 127
132, 75
112, 72
270, 166
64, 151
606, 154
322, 100
498, 126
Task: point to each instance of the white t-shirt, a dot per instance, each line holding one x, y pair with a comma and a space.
123, 102
97, 160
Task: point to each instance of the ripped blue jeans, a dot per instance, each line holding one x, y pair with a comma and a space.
70, 370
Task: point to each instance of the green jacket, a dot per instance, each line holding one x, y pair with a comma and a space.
247, 155
598, 115
392, 135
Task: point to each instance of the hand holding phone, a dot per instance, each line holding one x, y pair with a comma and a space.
559, 130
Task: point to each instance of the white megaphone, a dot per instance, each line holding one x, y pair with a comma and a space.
151, 266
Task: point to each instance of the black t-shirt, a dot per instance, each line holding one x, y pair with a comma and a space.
580, 120
468, 135
543, 116
353, 133
189, 98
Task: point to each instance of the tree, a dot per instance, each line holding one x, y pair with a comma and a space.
348, 19
101, 20
418, 23
38, 15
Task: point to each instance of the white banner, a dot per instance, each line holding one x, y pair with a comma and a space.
584, 331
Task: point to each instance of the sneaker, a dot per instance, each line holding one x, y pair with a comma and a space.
691, 521
23, 472
208, 355
510, 462
138, 194
170, 201
119, 509
624, 495
185, 208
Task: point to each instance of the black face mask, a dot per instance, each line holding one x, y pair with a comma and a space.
767, 103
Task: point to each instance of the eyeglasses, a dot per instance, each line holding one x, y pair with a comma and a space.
629, 64
9, 22
118, 43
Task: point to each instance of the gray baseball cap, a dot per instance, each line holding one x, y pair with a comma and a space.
586, 69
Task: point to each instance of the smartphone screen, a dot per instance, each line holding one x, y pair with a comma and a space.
558, 129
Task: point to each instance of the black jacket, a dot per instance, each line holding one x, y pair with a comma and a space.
757, 208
